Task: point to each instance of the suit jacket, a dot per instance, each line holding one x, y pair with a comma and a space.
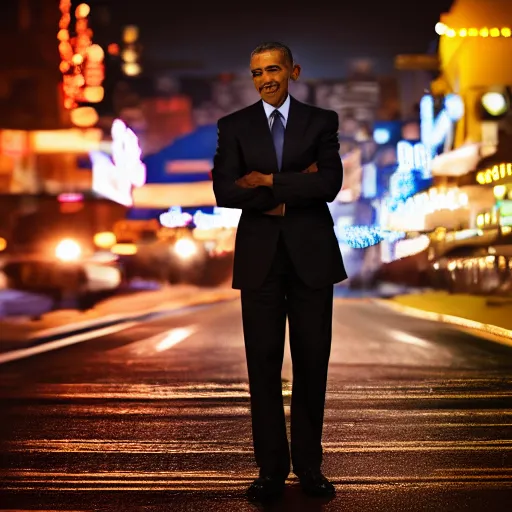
245, 144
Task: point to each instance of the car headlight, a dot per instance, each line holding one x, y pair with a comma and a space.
105, 239
68, 250
185, 248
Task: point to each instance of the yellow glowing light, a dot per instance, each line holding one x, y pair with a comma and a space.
484, 32
84, 117
473, 32
499, 191
495, 173
506, 32
68, 140
440, 28
69, 103
124, 249
95, 53
3, 244
94, 94
64, 21
506, 230
64, 66
105, 239
129, 55
63, 35
185, 248
82, 11
495, 32
131, 69
494, 103
451, 33
130, 34
77, 59
68, 250
463, 32
66, 50
79, 81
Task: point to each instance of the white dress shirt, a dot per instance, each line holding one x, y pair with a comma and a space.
284, 109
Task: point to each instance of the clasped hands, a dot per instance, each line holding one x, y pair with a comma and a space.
255, 179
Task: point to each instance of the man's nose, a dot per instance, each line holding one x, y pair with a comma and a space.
265, 78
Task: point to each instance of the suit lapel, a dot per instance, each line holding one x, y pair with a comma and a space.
295, 128
261, 134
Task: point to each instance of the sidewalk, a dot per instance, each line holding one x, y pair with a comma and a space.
489, 314
21, 330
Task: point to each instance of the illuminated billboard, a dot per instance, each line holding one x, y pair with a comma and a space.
114, 177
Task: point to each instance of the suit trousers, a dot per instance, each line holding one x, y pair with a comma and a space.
264, 312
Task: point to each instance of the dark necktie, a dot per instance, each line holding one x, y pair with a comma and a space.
278, 136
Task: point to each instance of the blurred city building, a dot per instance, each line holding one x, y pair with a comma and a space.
51, 78
475, 44
452, 186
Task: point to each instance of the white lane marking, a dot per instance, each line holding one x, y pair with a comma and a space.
403, 337
13, 355
173, 337
147, 347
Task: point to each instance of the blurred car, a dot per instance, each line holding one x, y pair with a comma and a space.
58, 254
177, 255
474, 270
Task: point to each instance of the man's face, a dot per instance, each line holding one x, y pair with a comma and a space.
270, 74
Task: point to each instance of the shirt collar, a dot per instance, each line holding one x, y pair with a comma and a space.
283, 109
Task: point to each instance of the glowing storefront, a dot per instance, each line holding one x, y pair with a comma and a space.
475, 47
494, 177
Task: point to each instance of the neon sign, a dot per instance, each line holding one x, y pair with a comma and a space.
434, 132
175, 218
412, 156
437, 130
415, 159
220, 218
70, 197
114, 178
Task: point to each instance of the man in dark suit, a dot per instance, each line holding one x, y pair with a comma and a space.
278, 161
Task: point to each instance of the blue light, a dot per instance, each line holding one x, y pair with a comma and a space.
454, 106
381, 135
402, 184
360, 237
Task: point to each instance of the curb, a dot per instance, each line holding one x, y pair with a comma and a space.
111, 319
505, 335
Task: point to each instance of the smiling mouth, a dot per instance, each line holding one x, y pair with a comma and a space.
271, 89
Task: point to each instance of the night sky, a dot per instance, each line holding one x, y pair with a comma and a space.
323, 39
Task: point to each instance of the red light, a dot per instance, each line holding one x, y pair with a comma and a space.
113, 49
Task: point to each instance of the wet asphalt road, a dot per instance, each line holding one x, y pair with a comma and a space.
156, 417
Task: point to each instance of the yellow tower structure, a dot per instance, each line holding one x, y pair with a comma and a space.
475, 53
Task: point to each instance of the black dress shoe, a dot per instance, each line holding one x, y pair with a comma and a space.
265, 489
313, 483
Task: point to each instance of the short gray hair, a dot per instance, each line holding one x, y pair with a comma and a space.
274, 45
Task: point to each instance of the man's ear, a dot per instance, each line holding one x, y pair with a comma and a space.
295, 72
